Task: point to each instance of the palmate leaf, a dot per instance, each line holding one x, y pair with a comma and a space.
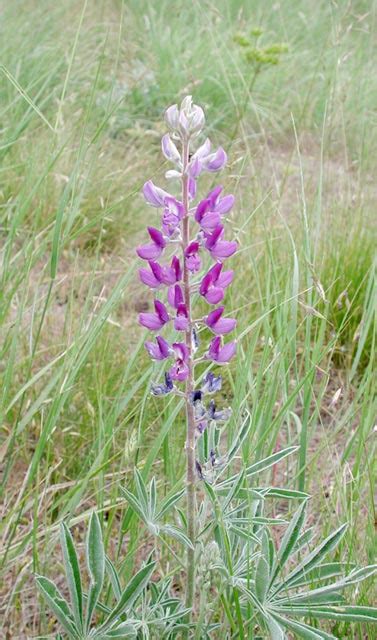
321, 572
146, 507
95, 558
314, 558
58, 606
325, 592
303, 630
130, 594
72, 570
169, 503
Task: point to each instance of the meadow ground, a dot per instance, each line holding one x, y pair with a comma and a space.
83, 86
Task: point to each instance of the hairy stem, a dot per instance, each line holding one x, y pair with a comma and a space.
190, 436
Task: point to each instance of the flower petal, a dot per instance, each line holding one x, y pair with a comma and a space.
149, 251
223, 249
223, 326
154, 195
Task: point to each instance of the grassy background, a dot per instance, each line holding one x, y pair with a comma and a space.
83, 86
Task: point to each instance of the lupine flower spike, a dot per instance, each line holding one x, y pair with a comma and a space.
191, 235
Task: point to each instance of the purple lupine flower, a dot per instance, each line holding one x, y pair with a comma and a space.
176, 232
218, 416
180, 370
218, 248
154, 195
219, 325
220, 205
172, 117
211, 383
192, 258
163, 389
155, 321
169, 149
172, 216
215, 161
176, 300
214, 282
155, 248
152, 277
172, 274
207, 219
159, 351
202, 151
194, 168
221, 354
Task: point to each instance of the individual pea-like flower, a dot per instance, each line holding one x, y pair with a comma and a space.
154, 195
211, 383
214, 283
155, 321
218, 324
221, 354
176, 300
163, 389
159, 350
190, 231
157, 276
217, 246
155, 248
180, 369
170, 151
192, 257
172, 216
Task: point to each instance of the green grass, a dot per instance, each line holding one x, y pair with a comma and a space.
81, 96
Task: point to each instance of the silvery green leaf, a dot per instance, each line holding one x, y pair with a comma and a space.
327, 590
245, 534
177, 534
58, 606
314, 558
270, 461
286, 494
240, 437
303, 630
268, 548
72, 570
130, 594
289, 540
114, 579
234, 490
123, 631
168, 503
276, 631
322, 572
347, 613
141, 489
95, 557
135, 504
262, 465
262, 579
153, 497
